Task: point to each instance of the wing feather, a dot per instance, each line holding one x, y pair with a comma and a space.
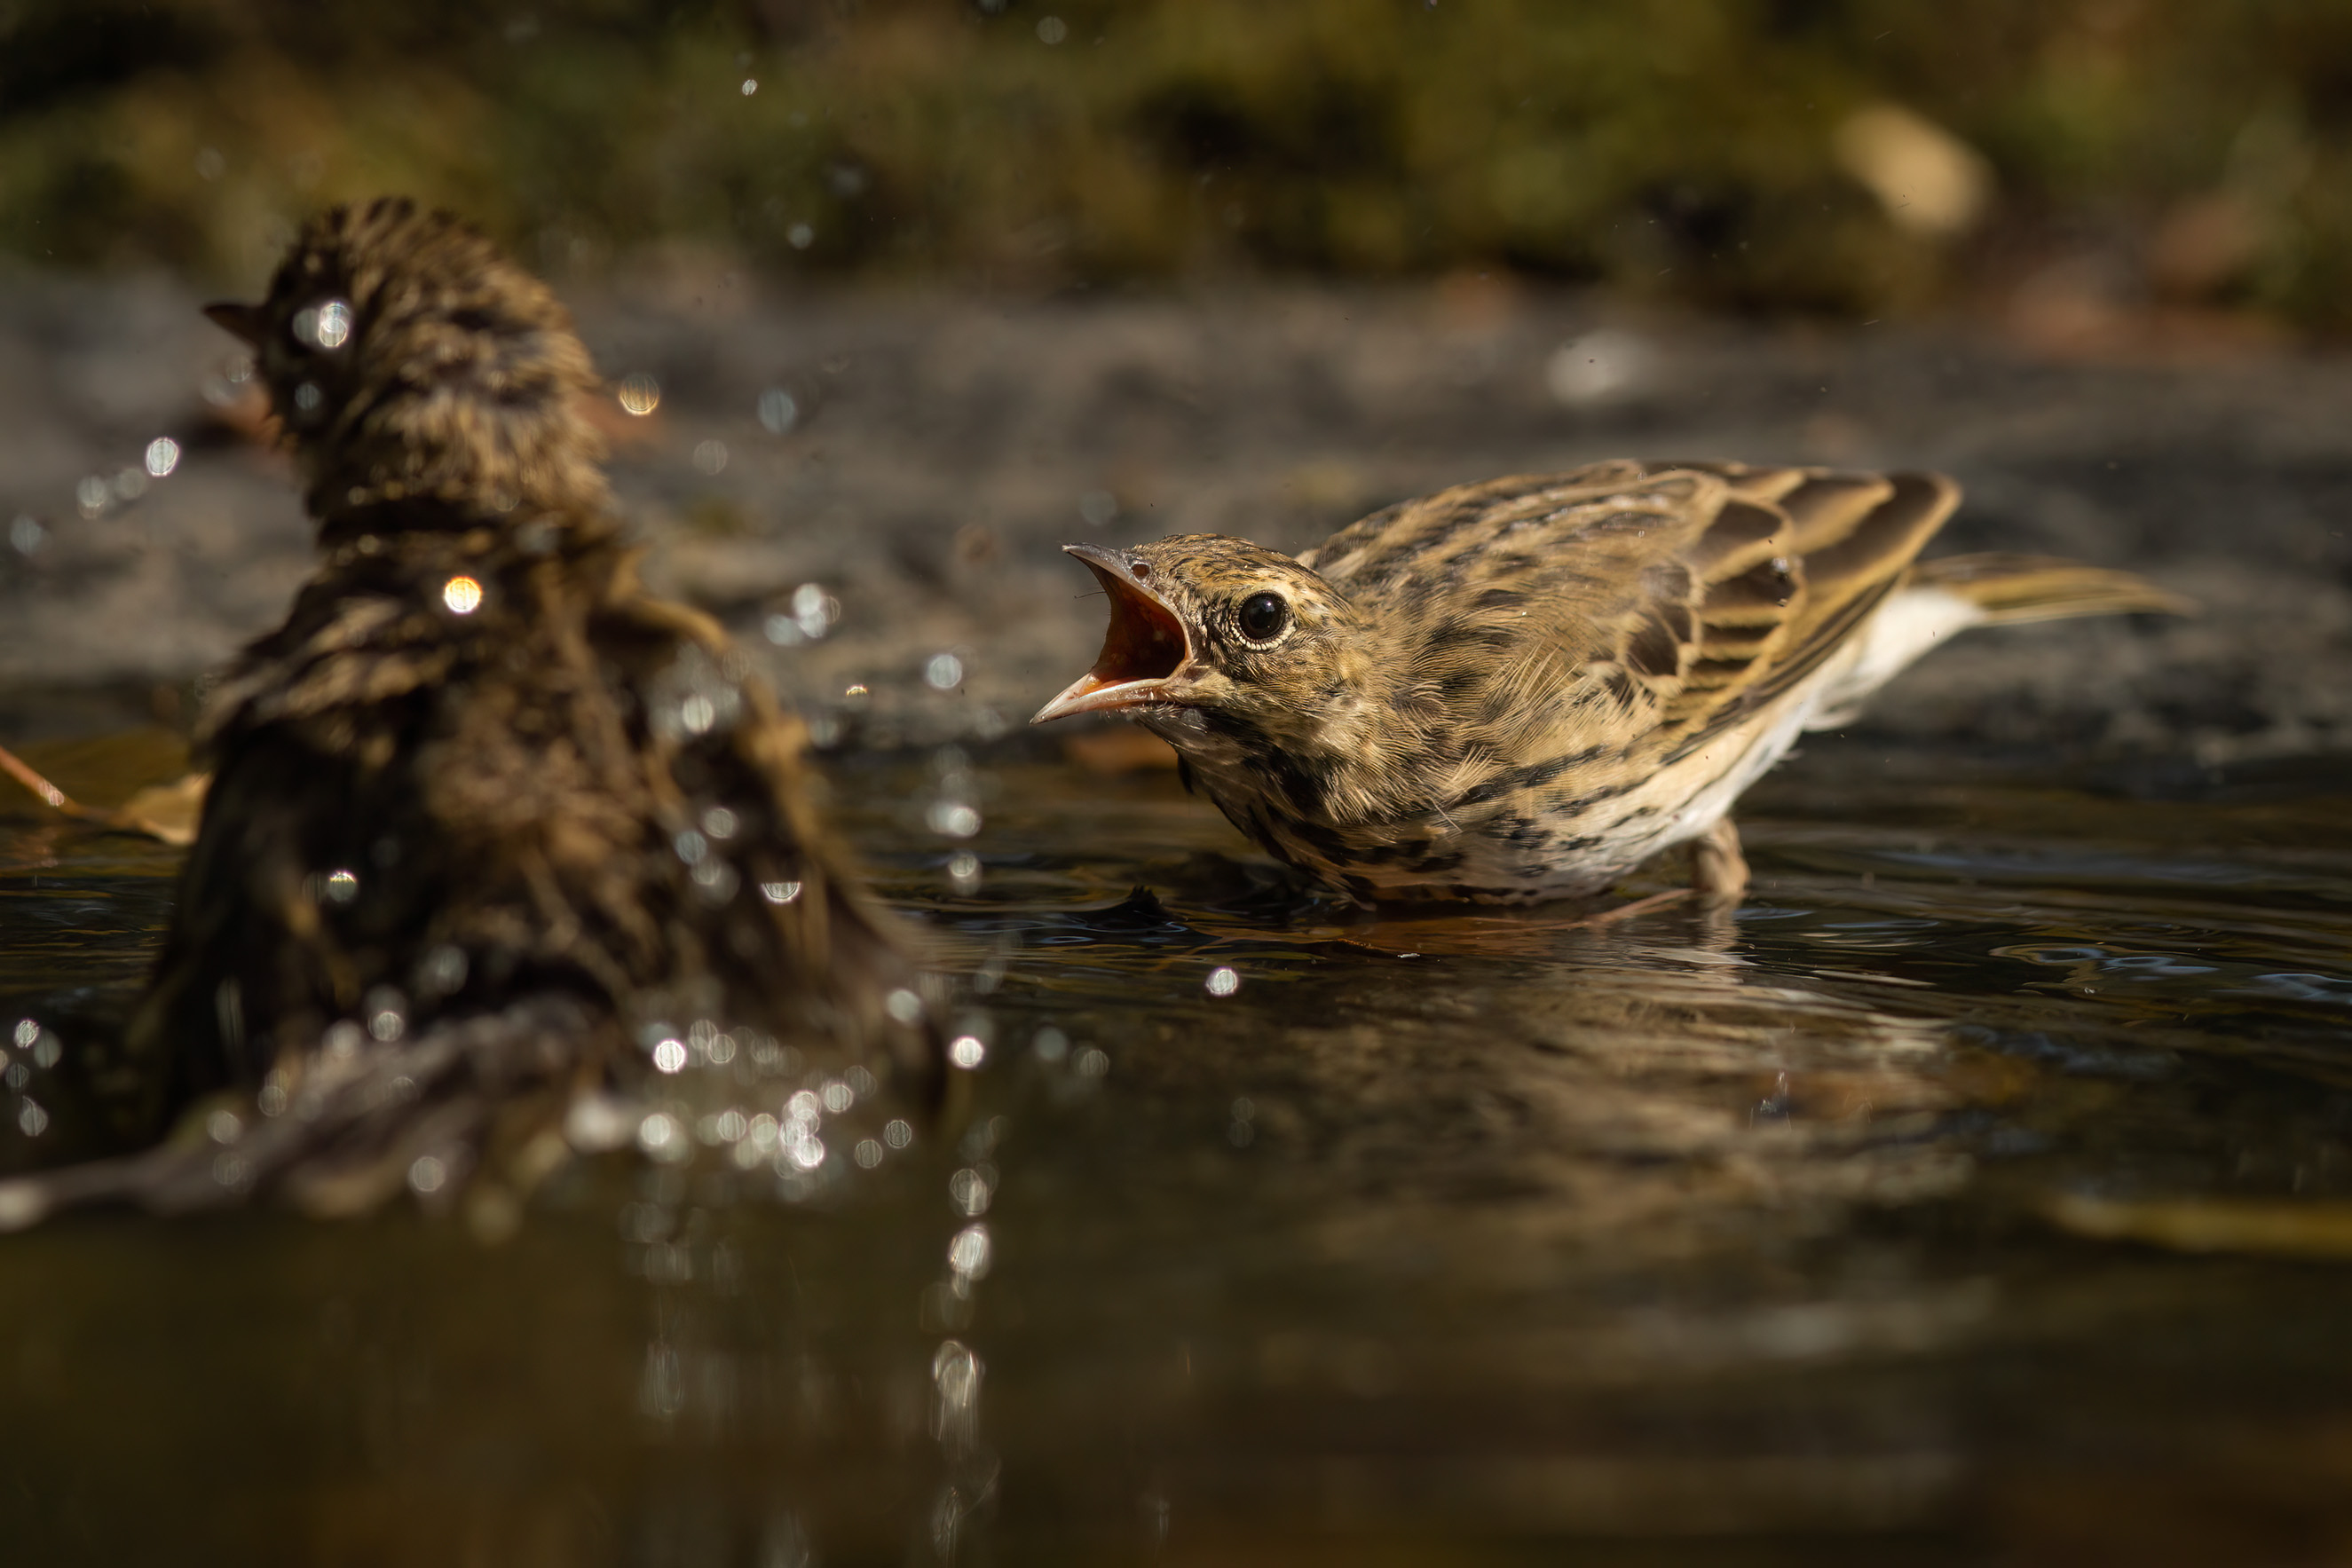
1687, 595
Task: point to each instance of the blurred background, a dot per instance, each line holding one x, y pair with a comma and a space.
2060, 166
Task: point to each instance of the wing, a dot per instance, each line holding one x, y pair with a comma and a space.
1636, 610
1792, 564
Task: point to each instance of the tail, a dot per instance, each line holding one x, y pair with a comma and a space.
1942, 597
2008, 589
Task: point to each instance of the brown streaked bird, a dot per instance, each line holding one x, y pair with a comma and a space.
482, 809
1523, 689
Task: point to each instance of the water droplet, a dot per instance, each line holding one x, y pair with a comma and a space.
779, 411
801, 236
953, 819
967, 1052
47, 1049
970, 1191
91, 494
717, 880
31, 1120
944, 673
27, 534
223, 1127
719, 823
640, 394
1098, 508
1052, 30
964, 871
779, 891
162, 457
956, 1372
710, 456
669, 1056
427, 1175
443, 972
697, 713
323, 326
1050, 1044
342, 886
898, 1133
904, 1006
594, 1123
462, 595
869, 1154
968, 1253
660, 1136
750, 85
1223, 981
308, 397
387, 1011
661, 1390
27, 1031
814, 609
1092, 1062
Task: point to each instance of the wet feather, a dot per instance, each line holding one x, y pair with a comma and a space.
481, 806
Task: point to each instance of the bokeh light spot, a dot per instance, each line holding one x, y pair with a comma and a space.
640, 394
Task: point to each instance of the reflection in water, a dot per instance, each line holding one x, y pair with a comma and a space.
1907, 1211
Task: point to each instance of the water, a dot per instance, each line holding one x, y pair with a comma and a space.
1980, 1194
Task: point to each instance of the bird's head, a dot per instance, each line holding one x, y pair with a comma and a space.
1210, 635
407, 357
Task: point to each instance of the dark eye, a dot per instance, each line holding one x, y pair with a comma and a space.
1262, 615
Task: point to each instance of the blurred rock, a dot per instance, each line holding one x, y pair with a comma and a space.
942, 448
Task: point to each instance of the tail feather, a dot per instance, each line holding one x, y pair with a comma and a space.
2010, 589
1942, 597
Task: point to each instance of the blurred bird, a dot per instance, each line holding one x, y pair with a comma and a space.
483, 812
1523, 689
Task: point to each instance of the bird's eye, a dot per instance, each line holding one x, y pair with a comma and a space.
1262, 615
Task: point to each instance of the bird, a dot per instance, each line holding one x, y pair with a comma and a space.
487, 819
1522, 689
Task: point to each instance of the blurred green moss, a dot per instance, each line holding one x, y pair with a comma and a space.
1682, 148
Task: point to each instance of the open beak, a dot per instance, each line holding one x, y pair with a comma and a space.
242, 321
1144, 646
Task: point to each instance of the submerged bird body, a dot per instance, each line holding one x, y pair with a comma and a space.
1522, 689
483, 810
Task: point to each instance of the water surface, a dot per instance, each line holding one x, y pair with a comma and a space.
1977, 1194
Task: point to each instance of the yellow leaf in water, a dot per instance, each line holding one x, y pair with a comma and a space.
168, 812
